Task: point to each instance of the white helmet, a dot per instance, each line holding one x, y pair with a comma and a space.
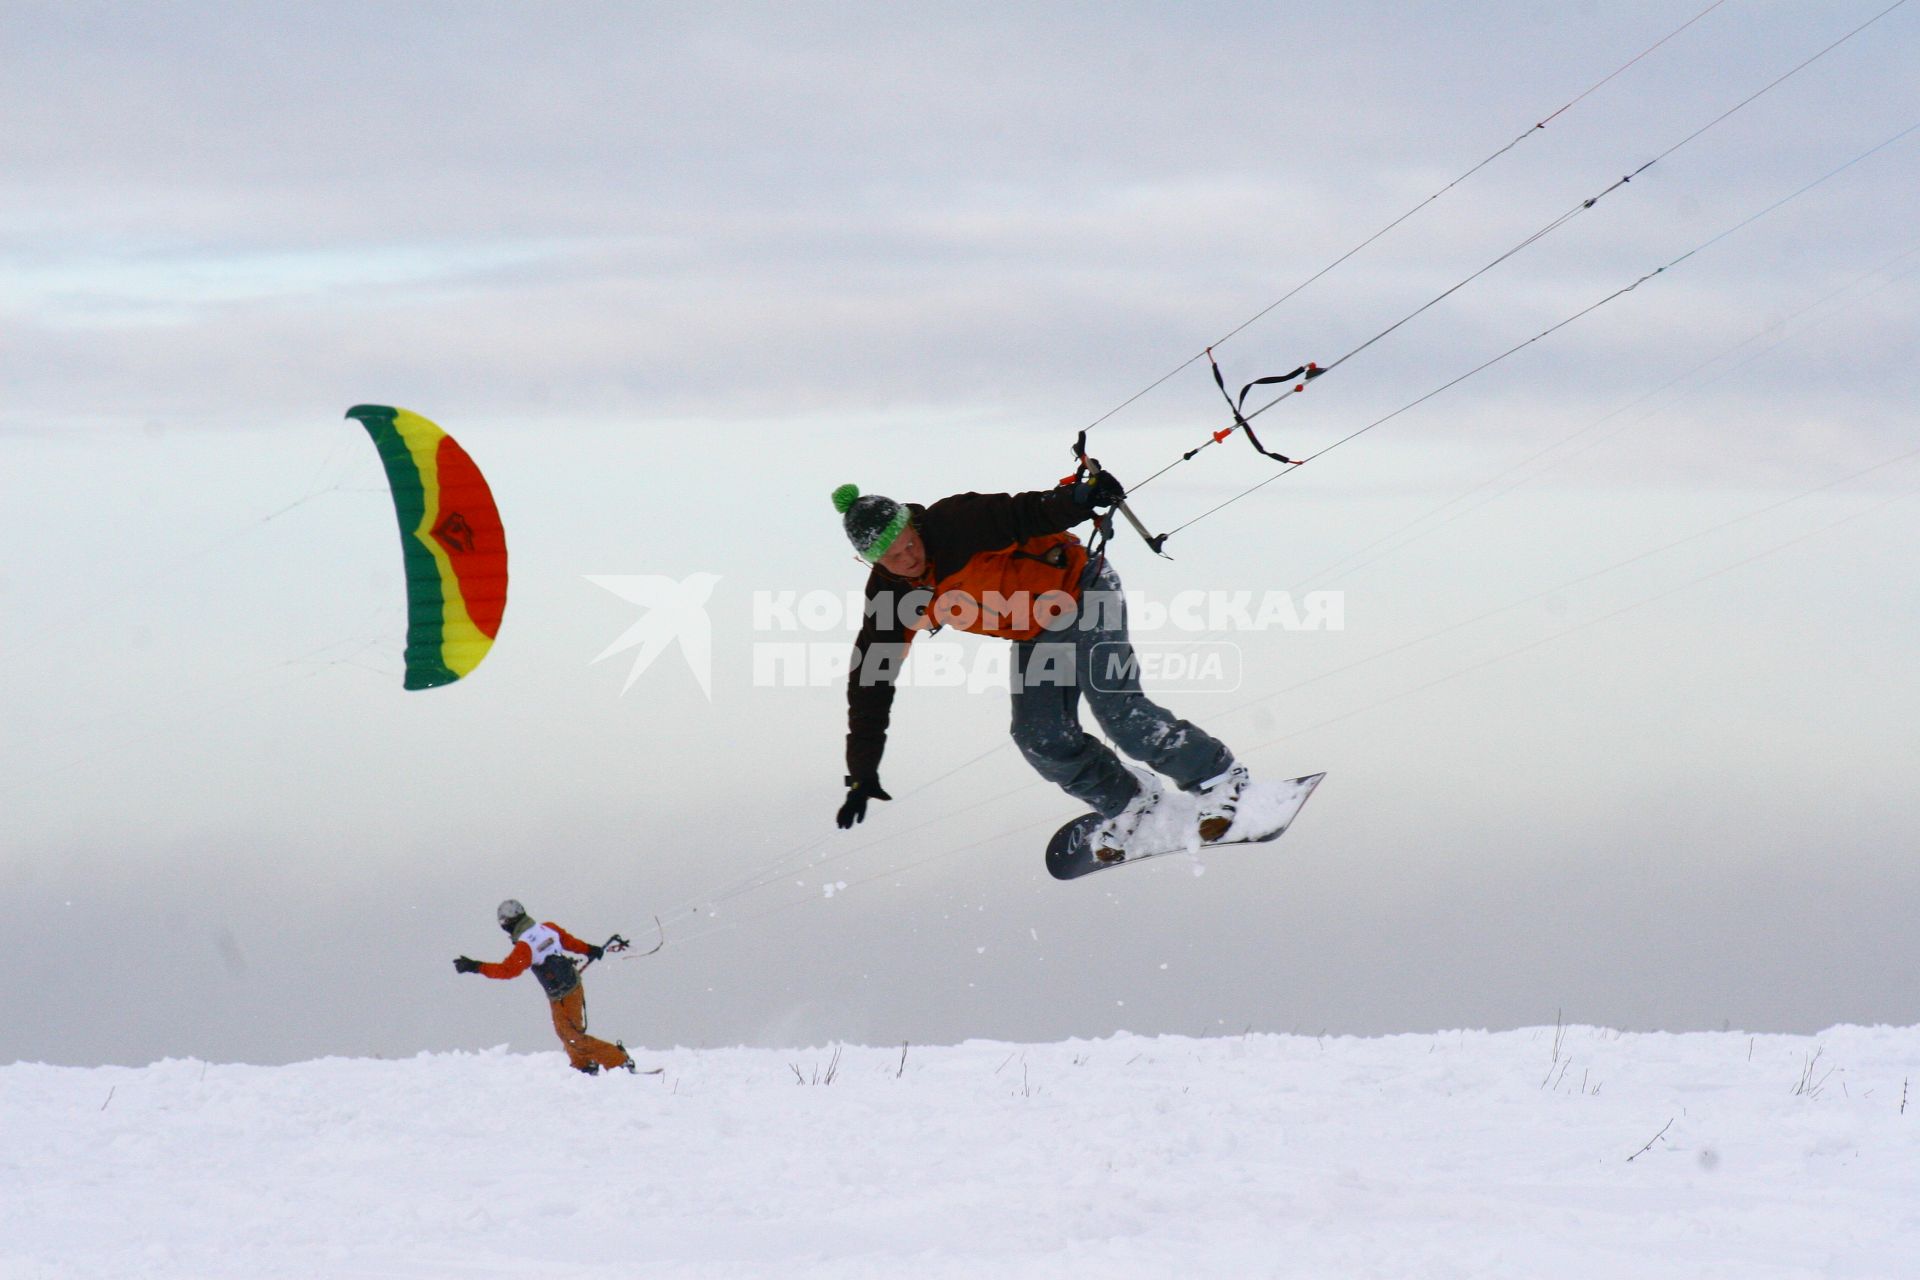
508, 912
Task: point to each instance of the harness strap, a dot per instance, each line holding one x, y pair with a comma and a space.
1305, 373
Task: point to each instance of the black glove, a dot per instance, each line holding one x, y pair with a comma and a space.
1100, 490
594, 953
463, 965
859, 791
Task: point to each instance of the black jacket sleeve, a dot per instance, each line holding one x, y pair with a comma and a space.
878, 651
959, 528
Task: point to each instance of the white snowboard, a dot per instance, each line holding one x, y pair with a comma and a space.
1266, 810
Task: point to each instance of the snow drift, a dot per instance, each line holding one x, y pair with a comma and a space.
1569, 1152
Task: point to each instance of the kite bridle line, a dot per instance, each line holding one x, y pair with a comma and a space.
1306, 373
1519, 138
1519, 346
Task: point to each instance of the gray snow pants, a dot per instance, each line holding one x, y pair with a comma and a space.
1092, 656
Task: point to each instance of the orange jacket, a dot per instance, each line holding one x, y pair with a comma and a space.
1011, 592
520, 959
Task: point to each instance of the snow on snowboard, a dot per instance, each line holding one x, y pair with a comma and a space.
1266, 811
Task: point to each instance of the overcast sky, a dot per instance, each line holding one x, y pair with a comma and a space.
1624, 735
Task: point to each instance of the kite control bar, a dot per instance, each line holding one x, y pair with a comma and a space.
616, 945
1090, 467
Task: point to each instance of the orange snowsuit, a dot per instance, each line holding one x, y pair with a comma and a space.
560, 979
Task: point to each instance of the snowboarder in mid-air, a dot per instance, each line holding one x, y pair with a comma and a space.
1005, 565
543, 948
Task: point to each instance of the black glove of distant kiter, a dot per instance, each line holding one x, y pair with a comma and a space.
859, 791
462, 964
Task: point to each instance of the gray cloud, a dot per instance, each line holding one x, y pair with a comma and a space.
672, 278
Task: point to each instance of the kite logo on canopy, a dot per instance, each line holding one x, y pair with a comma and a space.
455, 533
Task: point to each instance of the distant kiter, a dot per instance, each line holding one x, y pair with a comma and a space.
542, 948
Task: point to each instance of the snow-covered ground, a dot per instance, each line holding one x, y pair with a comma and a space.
1536, 1153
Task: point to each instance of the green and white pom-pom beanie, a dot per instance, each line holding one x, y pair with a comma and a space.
872, 523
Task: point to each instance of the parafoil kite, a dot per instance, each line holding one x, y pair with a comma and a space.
454, 549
